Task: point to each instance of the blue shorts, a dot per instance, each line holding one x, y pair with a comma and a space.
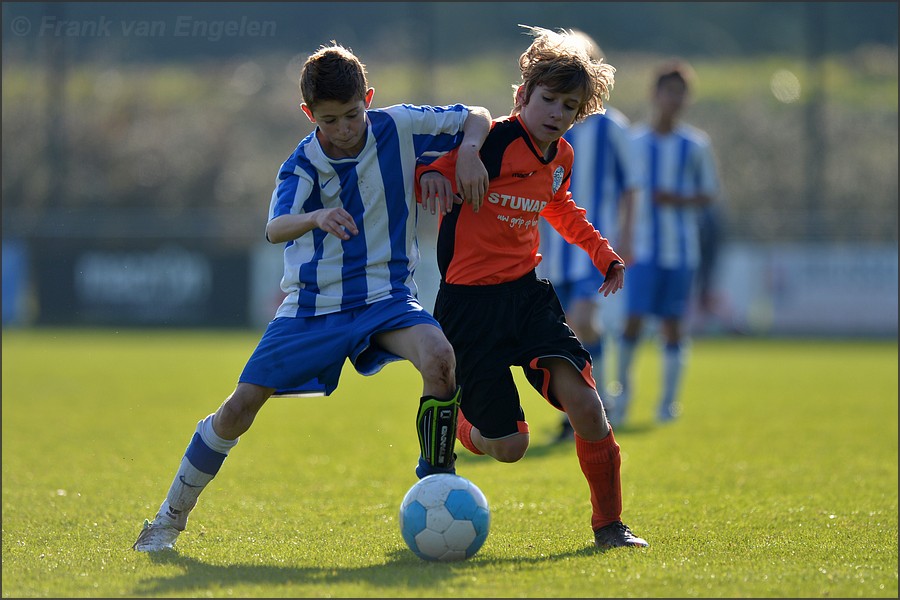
656, 291
305, 355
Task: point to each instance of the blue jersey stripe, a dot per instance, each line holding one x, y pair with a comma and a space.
355, 250
652, 185
683, 156
395, 194
308, 271
601, 172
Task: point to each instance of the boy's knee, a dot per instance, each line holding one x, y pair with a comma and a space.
443, 352
440, 364
510, 449
238, 411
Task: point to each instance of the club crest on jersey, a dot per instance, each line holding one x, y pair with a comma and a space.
557, 178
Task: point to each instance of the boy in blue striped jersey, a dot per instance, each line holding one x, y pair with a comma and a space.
679, 178
344, 207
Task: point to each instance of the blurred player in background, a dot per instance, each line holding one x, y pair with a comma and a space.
603, 182
710, 312
494, 309
344, 207
678, 179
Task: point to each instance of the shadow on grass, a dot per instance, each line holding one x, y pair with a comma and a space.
401, 568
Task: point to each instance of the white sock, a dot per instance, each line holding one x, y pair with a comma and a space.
209, 450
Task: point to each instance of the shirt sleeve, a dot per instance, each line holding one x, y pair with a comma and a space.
290, 194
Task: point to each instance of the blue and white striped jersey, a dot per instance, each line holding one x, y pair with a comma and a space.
679, 162
603, 169
324, 274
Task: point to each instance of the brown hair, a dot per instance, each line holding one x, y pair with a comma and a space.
678, 69
562, 62
332, 73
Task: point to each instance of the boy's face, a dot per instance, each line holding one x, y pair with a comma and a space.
548, 115
342, 125
671, 96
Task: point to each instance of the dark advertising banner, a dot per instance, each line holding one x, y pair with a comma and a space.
153, 283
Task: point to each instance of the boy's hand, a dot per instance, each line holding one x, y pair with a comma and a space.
437, 192
335, 221
615, 279
471, 176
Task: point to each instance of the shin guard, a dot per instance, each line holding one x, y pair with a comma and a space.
436, 426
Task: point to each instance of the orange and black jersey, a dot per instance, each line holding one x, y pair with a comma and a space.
500, 242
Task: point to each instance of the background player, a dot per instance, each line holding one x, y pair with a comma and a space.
679, 177
604, 179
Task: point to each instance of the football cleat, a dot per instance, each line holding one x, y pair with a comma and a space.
158, 535
617, 535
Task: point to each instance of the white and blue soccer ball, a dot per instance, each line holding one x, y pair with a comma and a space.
444, 518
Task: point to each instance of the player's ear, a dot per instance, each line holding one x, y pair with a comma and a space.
308, 112
520, 96
370, 93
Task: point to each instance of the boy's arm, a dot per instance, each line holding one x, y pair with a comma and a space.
569, 220
705, 173
287, 221
335, 221
471, 175
626, 223
677, 200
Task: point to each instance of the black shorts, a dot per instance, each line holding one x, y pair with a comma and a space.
494, 327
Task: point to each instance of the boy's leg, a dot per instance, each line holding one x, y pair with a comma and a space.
402, 329
567, 432
582, 317
673, 366
464, 433
601, 464
598, 454
436, 428
619, 411
678, 286
202, 460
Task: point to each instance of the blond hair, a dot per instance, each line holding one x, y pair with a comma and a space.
564, 61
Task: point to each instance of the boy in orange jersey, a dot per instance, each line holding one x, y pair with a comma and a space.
493, 308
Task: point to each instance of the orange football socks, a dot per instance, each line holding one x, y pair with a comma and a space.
601, 464
464, 433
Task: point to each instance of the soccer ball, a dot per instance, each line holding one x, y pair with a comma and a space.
444, 518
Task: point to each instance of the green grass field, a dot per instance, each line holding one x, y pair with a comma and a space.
780, 479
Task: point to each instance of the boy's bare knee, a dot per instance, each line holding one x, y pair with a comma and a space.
237, 413
509, 450
439, 367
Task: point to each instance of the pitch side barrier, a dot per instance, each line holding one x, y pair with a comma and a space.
158, 283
